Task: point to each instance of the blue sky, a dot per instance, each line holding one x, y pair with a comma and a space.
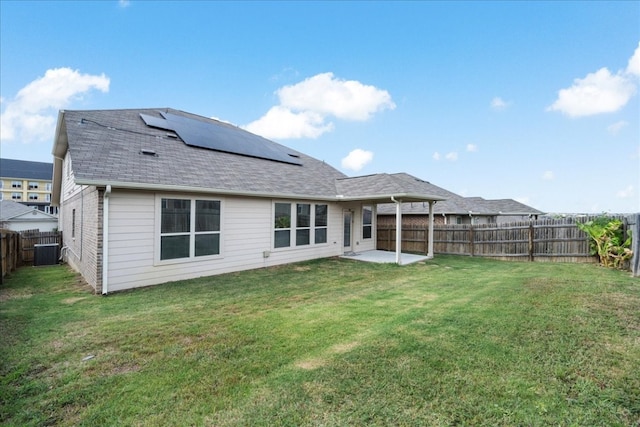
533, 101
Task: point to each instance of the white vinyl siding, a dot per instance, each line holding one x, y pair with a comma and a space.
247, 226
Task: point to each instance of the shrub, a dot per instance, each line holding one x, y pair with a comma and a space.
607, 241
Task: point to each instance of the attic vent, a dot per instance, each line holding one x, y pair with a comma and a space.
294, 155
148, 152
172, 135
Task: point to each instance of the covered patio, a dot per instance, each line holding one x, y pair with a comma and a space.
385, 257
396, 188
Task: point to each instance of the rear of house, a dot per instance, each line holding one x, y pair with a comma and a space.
157, 195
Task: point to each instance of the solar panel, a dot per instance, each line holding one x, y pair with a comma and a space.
221, 137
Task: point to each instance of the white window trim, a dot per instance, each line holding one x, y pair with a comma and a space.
158, 227
365, 225
293, 228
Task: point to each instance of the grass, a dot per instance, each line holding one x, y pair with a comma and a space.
453, 341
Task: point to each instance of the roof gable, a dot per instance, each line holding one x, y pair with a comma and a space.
12, 210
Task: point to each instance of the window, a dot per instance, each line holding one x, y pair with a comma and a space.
1, 183
303, 224
73, 224
47, 186
33, 196
47, 197
367, 222
310, 224
1, 196
282, 225
33, 185
189, 228
321, 224
16, 196
16, 184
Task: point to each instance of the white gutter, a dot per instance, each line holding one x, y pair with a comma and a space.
398, 230
105, 240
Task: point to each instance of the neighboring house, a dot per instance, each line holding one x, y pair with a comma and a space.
457, 210
28, 183
156, 195
18, 217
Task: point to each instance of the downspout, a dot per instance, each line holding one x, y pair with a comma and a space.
398, 230
105, 240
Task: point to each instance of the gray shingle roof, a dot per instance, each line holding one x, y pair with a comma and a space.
106, 147
384, 184
24, 169
10, 209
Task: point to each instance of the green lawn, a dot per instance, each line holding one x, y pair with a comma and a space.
453, 341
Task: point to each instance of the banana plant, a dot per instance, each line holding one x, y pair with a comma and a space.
607, 241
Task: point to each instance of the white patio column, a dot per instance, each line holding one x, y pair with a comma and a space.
398, 230
430, 249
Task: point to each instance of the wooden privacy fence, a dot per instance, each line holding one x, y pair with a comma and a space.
536, 240
9, 252
30, 238
17, 248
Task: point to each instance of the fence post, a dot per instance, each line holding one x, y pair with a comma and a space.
635, 244
530, 240
472, 248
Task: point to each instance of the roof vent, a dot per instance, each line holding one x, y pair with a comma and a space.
148, 152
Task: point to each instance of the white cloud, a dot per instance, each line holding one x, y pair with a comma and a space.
452, 156
498, 103
599, 92
634, 63
472, 148
357, 159
344, 99
523, 199
626, 193
124, 3
282, 123
617, 127
548, 176
310, 103
31, 115
436, 156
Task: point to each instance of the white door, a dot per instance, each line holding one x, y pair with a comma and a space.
347, 234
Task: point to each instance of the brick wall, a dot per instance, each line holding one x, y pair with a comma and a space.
84, 240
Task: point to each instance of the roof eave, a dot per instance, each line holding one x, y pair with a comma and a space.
190, 189
388, 198
374, 198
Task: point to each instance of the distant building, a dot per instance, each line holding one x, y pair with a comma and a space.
18, 217
28, 183
456, 209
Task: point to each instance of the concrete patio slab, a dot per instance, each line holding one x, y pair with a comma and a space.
384, 257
